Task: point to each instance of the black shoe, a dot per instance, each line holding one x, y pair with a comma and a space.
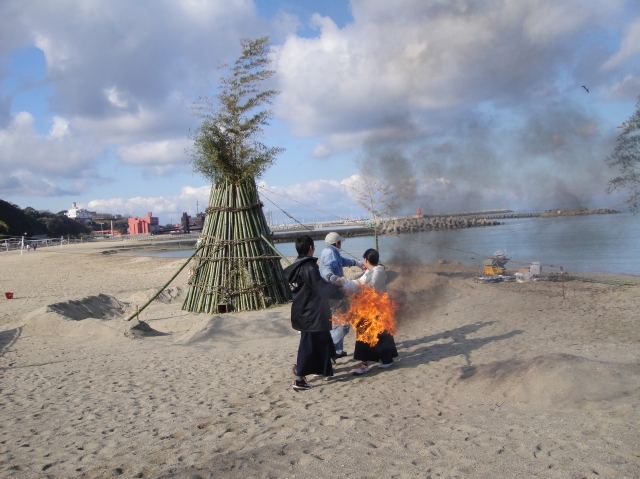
301, 385
343, 354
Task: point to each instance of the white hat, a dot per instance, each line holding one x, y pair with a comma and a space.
333, 238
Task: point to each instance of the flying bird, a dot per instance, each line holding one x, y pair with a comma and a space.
585, 88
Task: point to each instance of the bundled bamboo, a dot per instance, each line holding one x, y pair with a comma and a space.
235, 266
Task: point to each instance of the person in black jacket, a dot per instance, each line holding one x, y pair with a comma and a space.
310, 314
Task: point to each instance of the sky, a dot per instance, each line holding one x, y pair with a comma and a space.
458, 104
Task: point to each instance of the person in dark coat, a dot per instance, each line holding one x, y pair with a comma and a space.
310, 314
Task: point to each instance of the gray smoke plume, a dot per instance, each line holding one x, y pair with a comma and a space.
547, 155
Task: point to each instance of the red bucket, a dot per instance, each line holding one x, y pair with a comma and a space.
8, 295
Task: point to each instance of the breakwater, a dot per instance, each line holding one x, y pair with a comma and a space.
433, 223
420, 223
390, 226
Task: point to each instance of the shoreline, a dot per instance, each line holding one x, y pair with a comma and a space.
154, 246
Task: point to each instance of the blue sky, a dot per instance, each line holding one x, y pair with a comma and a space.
459, 105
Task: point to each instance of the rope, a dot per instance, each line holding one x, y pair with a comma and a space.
212, 209
300, 203
221, 241
212, 259
304, 226
223, 291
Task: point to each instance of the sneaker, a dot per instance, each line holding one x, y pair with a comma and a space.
361, 369
301, 385
385, 366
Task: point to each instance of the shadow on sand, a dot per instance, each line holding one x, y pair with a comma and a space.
427, 352
459, 344
8, 338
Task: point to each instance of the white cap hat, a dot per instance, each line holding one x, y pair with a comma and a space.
333, 238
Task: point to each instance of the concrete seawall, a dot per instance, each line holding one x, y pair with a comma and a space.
435, 223
413, 224
393, 226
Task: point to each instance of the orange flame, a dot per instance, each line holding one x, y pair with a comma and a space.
370, 314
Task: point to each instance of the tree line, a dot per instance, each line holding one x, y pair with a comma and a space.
15, 221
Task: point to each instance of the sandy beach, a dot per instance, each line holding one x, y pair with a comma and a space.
502, 380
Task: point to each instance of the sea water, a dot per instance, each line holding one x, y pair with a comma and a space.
580, 244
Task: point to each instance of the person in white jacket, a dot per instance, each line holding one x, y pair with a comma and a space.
375, 276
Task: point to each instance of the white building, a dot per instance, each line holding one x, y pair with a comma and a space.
79, 214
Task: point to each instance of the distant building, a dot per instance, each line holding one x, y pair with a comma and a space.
192, 223
79, 214
145, 225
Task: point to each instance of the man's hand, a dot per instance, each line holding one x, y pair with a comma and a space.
334, 279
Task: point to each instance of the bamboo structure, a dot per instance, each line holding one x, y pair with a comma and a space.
235, 267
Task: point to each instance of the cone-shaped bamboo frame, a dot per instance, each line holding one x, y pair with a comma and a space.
235, 266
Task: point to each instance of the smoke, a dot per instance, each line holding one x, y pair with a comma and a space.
541, 156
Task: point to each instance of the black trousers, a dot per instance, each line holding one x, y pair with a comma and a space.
314, 353
385, 350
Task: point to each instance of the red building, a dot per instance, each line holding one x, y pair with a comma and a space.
145, 225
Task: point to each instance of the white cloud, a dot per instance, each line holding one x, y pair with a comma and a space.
59, 128
164, 152
626, 89
545, 21
56, 56
311, 199
126, 72
115, 97
20, 182
58, 156
630, 46
189, 199
320, 151
115, 53
121, 75
141, 123
408, 58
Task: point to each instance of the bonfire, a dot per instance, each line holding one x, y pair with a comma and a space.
370, 313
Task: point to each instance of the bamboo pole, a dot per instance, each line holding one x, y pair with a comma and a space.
163, 287
274, 249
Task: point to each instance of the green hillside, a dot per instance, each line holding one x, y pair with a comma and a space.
16, 222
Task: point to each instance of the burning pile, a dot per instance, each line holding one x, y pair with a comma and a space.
370, 314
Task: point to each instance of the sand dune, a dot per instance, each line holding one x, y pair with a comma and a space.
553, 380
496, 380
